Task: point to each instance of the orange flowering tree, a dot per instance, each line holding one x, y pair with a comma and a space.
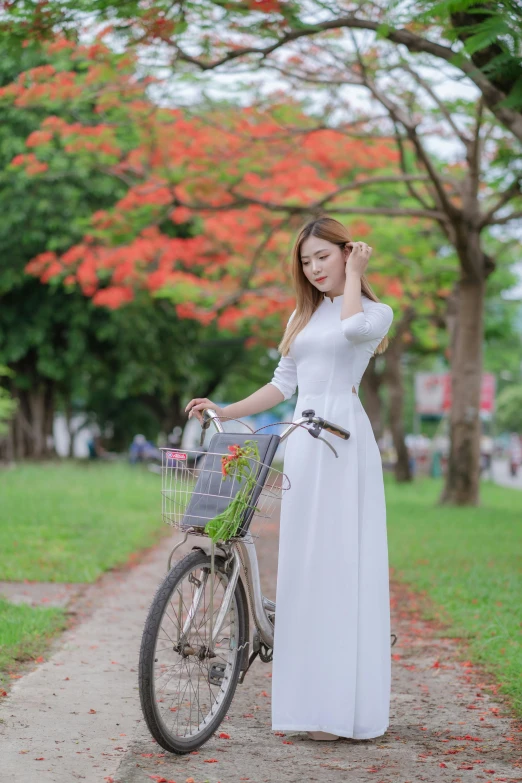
211, 202
320, 55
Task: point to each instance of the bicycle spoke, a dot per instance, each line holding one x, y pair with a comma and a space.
190, 680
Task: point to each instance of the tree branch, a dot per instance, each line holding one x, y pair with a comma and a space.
294, 209
413, 42
236, 296
402, 159
398, 116
502, 221
515, 189
441, 105
473, 156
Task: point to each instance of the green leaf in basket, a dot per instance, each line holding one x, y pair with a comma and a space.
236, 465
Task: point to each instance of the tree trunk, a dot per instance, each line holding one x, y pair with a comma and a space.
462, 477
48, 424
30, 430
396, 396
68, 415
393, 378
175, 416
37, 421
371, 383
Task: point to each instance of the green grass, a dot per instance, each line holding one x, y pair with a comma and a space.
469, 562
25, 632
70, 522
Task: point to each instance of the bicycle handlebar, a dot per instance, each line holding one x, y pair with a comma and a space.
308, 417
324, 424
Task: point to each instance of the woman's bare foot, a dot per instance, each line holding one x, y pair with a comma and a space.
322, 735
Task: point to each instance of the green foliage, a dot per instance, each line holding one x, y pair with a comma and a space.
236, 466
490, 33
45, 331
128, 368
7, 404
41, 214
144, 360
503, 321
509, 409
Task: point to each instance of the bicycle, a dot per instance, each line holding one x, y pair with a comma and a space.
196, 645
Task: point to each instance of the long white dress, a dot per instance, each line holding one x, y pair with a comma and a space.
332, 646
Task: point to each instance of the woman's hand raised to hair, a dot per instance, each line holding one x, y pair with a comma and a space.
357, 257
196, 406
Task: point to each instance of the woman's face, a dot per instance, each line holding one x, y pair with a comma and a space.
323, 264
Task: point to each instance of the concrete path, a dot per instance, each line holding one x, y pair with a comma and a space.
76, 717
41, 593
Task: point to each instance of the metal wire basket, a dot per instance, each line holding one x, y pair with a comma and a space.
195, 489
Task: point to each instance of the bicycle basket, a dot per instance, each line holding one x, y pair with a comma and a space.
194, 489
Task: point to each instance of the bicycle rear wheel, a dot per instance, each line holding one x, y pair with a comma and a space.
185, 687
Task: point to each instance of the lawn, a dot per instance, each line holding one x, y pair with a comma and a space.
25, 631
70, 522
67, 522
469, 561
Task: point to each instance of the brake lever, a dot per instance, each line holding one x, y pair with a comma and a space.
204, 427
328, 444
316, 428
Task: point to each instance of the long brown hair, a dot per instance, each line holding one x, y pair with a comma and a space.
308, 298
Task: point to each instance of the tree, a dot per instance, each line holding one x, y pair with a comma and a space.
491, 33
257, 292
482, 40
7, 404
416, 283
462, 197
41, 328
194, 228
64, 352
148, 362
249, 180
503, 343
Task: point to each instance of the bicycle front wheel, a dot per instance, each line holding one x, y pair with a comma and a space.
187, 684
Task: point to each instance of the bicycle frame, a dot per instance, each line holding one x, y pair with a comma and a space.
243, 554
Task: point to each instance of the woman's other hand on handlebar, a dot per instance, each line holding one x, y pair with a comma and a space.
196, 406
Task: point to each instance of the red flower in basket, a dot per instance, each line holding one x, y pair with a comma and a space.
235, 450
235, 464
225, 461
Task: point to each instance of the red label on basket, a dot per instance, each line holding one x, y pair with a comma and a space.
176, 455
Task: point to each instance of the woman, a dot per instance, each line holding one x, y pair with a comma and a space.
332, 662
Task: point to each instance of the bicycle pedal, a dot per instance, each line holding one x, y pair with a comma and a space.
265, 653
216, 673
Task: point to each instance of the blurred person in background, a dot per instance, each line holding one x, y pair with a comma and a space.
142, 450
514, 453
486, 456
